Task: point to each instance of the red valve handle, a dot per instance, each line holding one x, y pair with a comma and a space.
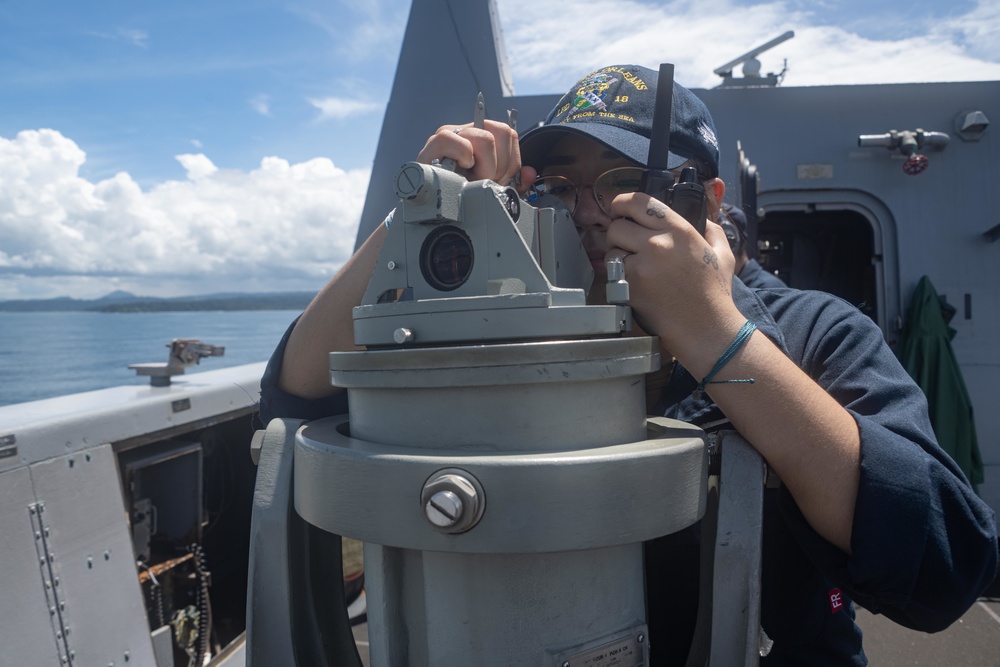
915, 164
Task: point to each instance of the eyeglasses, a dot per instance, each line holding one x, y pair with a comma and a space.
607, 186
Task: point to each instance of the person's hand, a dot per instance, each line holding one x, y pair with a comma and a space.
489, 153
680, 284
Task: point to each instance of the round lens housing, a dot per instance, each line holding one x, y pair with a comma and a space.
446, 258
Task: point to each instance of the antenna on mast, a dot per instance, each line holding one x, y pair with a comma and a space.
751, 67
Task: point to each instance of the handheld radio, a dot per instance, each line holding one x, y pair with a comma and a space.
687, 196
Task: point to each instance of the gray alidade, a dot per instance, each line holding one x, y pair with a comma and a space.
471, 262
497, 461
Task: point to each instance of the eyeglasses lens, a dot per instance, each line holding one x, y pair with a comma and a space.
616, 182
556, 186
608, 185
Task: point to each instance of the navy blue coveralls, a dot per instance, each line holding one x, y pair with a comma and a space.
753, 275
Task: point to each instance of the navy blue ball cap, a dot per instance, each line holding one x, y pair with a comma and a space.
614, 105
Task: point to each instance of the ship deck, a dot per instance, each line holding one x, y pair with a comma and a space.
972, 641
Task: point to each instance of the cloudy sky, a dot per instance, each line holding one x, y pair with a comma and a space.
190, 147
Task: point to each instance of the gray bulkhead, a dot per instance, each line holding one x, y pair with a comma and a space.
847, 219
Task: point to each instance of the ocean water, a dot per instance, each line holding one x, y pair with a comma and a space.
43, 355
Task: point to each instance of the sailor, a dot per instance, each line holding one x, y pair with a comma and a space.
734, 223
870, 510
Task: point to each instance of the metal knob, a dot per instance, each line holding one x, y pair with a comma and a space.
410, 180
617, 289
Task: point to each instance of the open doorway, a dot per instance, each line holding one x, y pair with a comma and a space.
828, 250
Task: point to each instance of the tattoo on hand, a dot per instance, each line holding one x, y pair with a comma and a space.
656, 212
710, 258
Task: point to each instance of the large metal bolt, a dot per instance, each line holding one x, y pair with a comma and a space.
453, 500
444, 509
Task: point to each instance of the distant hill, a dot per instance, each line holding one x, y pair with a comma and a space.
126, 302
121, 295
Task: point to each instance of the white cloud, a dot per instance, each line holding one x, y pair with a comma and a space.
134, 36
978, 31
374, 30
338, 108
219, 229
197, 166
261, 104
610, 32
698, 37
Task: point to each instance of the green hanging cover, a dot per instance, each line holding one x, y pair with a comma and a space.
926, 354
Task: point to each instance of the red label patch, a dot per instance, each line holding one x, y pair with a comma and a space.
836, 600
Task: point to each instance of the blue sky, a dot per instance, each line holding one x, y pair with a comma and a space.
175, 148
135, 83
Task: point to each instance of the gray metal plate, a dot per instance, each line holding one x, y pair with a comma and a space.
736, 572
27, 633
624, 649
104, 612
